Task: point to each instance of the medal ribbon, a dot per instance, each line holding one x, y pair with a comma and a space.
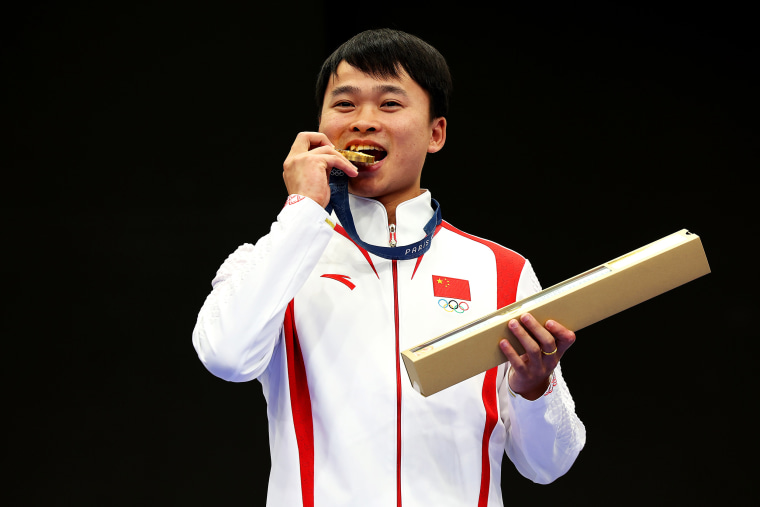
339, 204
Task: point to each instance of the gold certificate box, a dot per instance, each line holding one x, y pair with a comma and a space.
575, 303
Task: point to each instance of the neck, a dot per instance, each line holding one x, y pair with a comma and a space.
391, 203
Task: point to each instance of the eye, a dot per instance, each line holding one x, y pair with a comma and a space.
343, 104
392, 104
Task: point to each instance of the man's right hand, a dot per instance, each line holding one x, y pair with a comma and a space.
306, 171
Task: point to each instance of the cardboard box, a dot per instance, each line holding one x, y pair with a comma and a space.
575, 303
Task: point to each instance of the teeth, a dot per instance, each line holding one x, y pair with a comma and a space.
360, 147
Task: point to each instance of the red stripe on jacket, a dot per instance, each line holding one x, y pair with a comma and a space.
300, 404
509, 266
340, 230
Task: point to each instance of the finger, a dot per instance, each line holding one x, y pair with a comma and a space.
512, 356
564, 337
530, 345
342, 163
333, 158
541, 335
306, 141
319, 143
323, 157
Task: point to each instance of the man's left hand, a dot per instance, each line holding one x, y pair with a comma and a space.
544, 347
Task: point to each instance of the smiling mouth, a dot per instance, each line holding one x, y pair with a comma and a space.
367, 150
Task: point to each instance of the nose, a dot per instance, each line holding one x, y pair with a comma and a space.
365, 121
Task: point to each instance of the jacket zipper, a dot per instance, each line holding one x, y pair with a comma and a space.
392, 231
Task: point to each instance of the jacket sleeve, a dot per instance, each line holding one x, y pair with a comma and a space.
240, 321
545, 436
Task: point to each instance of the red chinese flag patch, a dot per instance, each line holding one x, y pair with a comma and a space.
447, 287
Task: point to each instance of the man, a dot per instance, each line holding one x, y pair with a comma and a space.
319, 313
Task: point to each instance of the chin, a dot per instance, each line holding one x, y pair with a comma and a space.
364, 191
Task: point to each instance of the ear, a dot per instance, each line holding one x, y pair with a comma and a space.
438, 135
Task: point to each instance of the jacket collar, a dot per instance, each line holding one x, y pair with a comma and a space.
371, 219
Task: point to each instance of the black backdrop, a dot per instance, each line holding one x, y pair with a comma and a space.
144, 141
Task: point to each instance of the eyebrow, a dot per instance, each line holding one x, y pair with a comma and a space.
352, 90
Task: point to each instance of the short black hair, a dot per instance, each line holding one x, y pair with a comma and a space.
381, 52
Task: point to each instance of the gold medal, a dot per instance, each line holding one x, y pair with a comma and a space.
355, 156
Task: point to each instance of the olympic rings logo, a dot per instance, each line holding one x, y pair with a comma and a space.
452, 305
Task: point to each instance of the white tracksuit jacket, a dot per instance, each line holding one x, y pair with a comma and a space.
321, 323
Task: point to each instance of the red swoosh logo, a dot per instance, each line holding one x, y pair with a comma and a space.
344, 279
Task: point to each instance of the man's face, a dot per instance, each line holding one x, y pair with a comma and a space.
391, 117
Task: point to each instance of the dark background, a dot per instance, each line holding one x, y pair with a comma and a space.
144, 141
